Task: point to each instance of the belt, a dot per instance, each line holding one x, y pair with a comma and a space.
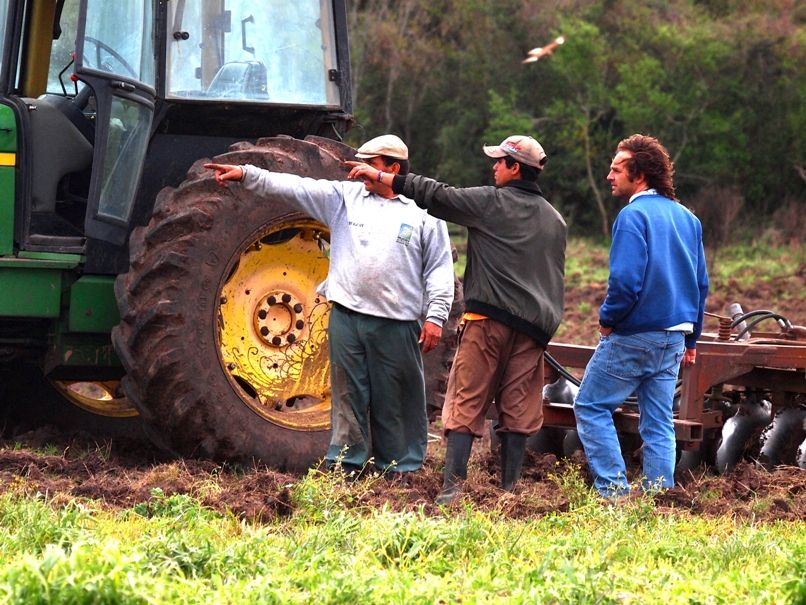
344, 309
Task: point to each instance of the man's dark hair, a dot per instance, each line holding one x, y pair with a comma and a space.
404, 164
650, 158
528, 173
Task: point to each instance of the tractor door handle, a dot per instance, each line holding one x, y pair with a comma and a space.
249, 19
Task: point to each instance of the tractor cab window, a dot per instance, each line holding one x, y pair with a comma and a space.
62, 53
113, 42
3, 15
107, 47
266, 51
115, 57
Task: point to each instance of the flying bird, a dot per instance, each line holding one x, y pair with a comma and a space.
543, 51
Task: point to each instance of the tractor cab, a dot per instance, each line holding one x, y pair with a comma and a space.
104, 103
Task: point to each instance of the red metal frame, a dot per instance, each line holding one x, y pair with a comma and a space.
765, 362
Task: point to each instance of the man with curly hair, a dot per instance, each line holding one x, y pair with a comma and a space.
650, 319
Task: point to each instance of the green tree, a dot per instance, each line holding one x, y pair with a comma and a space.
720, 82
580, 119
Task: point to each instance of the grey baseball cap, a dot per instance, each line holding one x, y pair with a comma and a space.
521, 147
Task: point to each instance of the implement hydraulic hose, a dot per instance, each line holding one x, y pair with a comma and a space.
760, 315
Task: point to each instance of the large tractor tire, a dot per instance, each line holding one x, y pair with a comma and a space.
222, 334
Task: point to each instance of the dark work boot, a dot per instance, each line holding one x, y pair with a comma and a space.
456, 457
513, 445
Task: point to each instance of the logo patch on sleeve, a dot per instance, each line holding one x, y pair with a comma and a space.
404, 235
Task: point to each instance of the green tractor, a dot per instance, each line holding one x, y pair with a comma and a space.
134, 290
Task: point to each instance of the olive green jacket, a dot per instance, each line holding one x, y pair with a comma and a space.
515, 249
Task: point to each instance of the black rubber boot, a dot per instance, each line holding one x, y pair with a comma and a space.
513, 445
456, 457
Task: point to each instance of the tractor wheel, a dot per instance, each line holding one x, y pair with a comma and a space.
102, 398
32, 400
222, 334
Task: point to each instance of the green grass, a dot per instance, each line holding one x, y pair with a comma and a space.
172, 550
746, 265
586, 260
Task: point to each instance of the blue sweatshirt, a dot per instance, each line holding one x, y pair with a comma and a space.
658, 276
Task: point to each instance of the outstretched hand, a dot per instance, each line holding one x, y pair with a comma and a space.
361, 171
226, 172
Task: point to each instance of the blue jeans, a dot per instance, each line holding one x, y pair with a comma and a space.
645, 364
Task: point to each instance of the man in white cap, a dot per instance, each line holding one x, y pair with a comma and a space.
513, 287
390, 283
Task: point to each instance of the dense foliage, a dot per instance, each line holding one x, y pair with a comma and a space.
720, 82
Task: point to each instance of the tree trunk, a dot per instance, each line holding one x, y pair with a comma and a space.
597, 195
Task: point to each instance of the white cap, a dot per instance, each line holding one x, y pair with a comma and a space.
387, 144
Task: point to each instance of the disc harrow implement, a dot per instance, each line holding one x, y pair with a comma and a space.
744, 399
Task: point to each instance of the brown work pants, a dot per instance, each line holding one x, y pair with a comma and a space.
495, 362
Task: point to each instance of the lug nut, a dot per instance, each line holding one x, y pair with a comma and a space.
264, 331
300, 324
231, 366
262, 314
276, 341
297, 308
290, 338
286, 298
223, 300
271, 300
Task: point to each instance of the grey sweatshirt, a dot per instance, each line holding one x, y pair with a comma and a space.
388, 257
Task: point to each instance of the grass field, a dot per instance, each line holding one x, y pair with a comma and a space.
172, 550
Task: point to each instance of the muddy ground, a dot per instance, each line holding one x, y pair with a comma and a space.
783, 295
121, 473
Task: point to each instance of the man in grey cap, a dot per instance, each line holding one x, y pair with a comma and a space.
513, 288
390, 283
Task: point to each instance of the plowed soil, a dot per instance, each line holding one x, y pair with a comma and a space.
122, 473
783, 295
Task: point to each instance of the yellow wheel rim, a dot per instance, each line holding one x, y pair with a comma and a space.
101, 398
272, 326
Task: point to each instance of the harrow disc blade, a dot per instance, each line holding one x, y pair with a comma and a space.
781, 439
739, 428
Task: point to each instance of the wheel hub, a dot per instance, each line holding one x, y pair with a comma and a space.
273, 326
279, 318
